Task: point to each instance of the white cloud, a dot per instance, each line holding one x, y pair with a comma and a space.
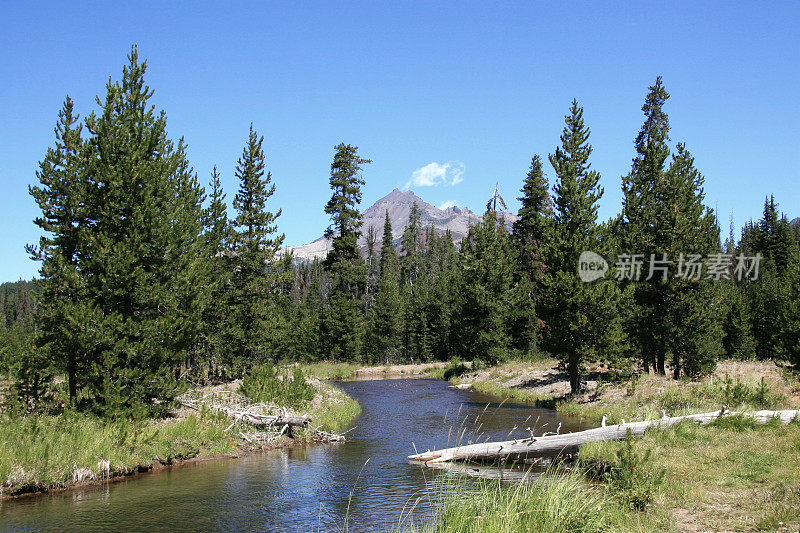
447, 204
434, 174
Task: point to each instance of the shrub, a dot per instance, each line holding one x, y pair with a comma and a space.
454, 369
632, 479
266, 384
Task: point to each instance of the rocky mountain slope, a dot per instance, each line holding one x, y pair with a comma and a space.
398, 204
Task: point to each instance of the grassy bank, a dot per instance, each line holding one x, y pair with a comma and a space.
739, 385
327, 370
731, 475
521, 381
555, 503
45, 452
332, 410
39, 453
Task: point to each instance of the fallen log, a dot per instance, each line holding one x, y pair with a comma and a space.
554, 445
239, 408
271, 420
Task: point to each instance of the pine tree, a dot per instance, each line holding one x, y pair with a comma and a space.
385, 321
530, 231
583, 321
692, 309
663, 216
307, 331
217, 273
535, 217
373, 269
253, 309
774, 239
440, 267
640, 189
344, 320
61, 195
411, 245
388, 259
486, 291
140, 262
416, 346
770, 296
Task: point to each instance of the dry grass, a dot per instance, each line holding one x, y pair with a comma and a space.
737, 384
740, 385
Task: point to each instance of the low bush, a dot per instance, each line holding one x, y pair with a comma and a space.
632, 478
266, 384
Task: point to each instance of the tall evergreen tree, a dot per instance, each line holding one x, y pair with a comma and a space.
61, 195
664, 217
445, 269
530, 230
385, 321
416, 345
693, 308
139, 261
774, 239
307, 338
411, 245
583, 321
217, 273
344, 322
640, 189
770, 296
486, 292
254, 315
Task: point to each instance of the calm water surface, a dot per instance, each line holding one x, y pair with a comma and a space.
299, 489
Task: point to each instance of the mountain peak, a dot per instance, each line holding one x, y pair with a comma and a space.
398, 204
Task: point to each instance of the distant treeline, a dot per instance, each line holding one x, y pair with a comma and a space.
17, 303
145, 284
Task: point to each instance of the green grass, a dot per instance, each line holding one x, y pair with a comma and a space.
44, 452
554, 503
732, 474
336, 410
41, 452
331, 371
328, 406
525, 396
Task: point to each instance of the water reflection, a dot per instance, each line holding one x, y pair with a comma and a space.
366, 481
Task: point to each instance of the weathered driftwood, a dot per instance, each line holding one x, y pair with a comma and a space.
554, 445
239, 408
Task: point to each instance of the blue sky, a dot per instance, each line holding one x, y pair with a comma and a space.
476, 88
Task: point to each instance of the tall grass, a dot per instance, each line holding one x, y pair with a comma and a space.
334, 410
732, 474
553, 503
43, 452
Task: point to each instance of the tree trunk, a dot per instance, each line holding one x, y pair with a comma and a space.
661, 370
555, 445
71, 379
574, 370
